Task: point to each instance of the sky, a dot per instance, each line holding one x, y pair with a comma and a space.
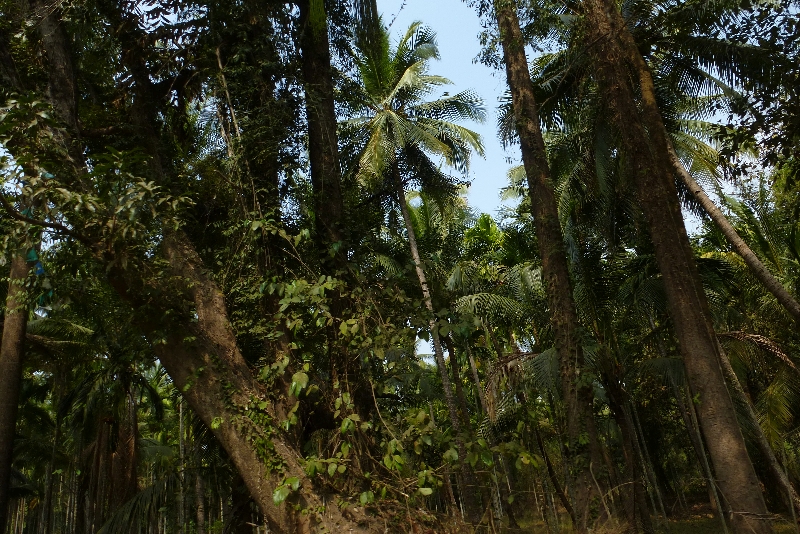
457, 27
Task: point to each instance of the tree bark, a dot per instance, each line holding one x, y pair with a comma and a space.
12, 351
323, 146
576, 392
752, 261
644, 142
200, 501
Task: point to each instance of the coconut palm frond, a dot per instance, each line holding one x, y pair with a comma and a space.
490, 306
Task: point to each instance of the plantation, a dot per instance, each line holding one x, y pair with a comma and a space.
245, 292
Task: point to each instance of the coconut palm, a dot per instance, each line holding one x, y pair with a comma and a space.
401, 132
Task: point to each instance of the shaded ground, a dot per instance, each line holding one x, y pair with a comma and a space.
699, 520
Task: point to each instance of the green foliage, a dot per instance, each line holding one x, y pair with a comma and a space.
214, 146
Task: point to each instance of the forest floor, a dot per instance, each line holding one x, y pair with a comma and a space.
698, 520
712, 526
699, 525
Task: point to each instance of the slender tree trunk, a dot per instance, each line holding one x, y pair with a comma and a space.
644, 143
447, 386
647, 463
200, 501
577, 392
775, 472
323, 147
12, 350
426, 296
462, 400
476, 378
755, 265
694, 434
47, 505
690, 420
199, 487
562, 496
182, 472
634, 491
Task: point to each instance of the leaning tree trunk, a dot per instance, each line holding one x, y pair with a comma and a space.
755, 265
577, 392
447, 386
774, 471
199, 350
644, 142
204, 362
12, 349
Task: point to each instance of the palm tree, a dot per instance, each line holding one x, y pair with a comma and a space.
577, 391
644, 141
401, 131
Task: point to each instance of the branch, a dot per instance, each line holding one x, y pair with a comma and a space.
52, 225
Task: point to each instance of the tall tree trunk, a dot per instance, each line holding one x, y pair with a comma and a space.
200, 500
182, 470
551, 473
46, 525
199, 486
644, 144
441, 365
12, 350
12, 345
576, 392
323, 146
755, 265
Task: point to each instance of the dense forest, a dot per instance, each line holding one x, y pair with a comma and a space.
231, 229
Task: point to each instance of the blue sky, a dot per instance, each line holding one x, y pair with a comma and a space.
457, 27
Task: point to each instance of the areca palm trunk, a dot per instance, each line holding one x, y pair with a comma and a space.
12, 349
447, 386
643, 141
752, 261
476, 378
577, 393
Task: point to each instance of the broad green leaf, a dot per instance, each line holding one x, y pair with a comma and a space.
280, 494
